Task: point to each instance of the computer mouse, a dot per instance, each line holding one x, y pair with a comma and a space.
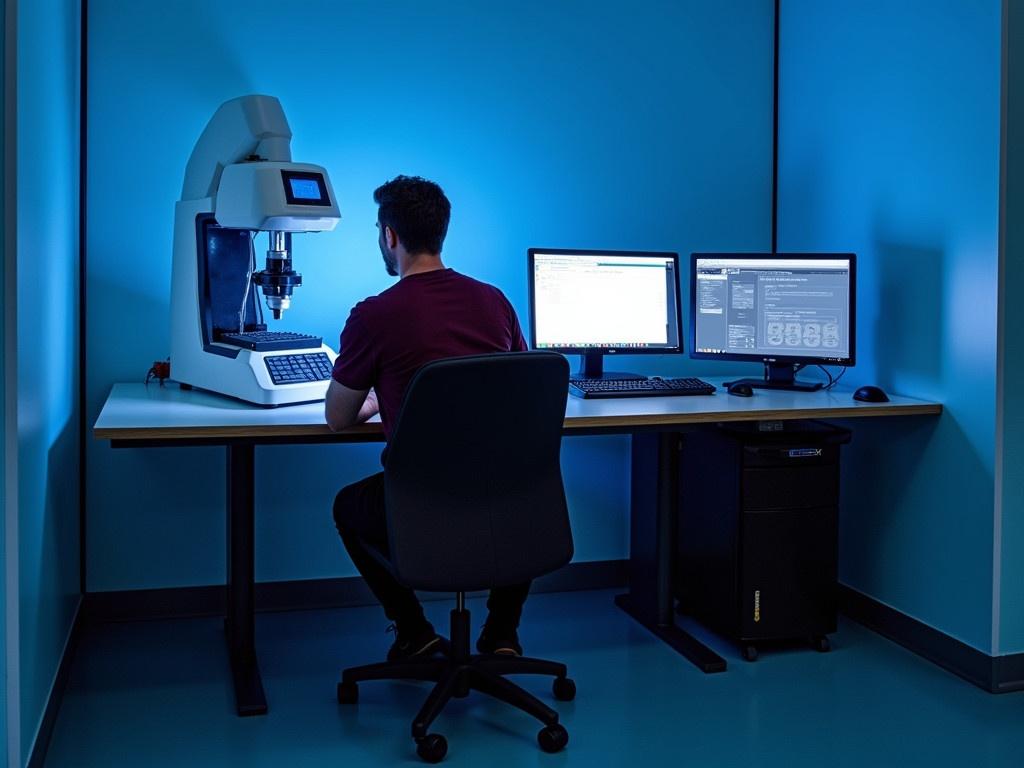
870, 394
741, 390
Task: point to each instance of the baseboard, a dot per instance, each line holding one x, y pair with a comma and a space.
37, 757
1008, 673
310, 594
995, 674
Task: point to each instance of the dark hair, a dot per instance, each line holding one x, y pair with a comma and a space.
417, 210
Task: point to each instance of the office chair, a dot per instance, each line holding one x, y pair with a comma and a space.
474, 500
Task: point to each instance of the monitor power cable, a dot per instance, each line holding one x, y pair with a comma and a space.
832, 381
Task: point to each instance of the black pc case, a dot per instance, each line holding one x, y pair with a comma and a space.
758, 531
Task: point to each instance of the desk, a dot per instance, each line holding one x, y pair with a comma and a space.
138, 416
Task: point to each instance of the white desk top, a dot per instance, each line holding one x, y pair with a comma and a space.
141, 412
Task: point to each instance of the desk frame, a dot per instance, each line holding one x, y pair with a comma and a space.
653, 514
648, 598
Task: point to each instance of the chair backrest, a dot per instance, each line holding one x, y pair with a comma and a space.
473, 480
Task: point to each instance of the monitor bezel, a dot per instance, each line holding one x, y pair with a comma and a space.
530, 259
846, 362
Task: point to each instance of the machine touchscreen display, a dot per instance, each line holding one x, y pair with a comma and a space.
305, 188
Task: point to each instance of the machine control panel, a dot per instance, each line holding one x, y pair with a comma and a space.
299, 369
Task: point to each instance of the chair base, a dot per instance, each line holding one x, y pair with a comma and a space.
458, 674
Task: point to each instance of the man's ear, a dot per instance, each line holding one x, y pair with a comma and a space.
390, 237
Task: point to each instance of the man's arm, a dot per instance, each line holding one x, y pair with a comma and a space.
345, 407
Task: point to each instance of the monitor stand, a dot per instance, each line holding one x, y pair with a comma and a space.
592, 367
780, 376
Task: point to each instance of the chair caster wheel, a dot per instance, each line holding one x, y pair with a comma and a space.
348, 693
564, 689
432, 748
750, 652
821, 644
553, 738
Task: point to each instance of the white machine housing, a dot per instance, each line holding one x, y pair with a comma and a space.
251, 196
238, 175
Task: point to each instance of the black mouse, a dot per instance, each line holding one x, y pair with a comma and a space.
740, 389
870, 394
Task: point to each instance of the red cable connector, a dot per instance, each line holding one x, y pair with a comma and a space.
161, 371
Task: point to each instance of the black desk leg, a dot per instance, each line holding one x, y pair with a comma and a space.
240, 623
655, 506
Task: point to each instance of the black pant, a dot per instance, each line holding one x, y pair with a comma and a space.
359, 516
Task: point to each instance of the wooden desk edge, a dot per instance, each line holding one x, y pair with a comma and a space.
571, 424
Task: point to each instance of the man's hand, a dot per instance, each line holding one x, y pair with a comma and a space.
369, 408
345, 407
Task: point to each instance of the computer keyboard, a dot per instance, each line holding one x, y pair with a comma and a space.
653, 387
271, 341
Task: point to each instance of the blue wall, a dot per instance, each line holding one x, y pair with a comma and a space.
1011, 607
561, 124
889, 147
48, 76
4, 234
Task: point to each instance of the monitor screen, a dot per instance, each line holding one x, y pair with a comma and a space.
773, 307
627, 301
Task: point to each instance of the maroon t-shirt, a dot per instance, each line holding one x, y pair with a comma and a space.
423, 317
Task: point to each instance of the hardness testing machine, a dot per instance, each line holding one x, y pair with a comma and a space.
240, 180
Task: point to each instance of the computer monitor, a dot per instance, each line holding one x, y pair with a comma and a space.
786, 310
595, 303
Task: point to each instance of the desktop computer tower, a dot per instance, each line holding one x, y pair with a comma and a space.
757, 535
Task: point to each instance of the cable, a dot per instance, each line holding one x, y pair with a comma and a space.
827, 372
775, 132
252, 259
832, 381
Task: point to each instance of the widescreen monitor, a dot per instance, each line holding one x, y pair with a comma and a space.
786, 310
596, 302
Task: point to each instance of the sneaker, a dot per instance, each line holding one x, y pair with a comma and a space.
422, 640
504, 642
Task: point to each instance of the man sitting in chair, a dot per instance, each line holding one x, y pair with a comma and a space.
432, 312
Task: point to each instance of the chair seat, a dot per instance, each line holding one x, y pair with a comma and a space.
437, 586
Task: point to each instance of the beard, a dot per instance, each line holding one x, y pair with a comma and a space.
390, 262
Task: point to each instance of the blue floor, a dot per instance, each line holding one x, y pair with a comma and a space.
157, 694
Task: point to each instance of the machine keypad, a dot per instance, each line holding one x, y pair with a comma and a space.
298, 369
